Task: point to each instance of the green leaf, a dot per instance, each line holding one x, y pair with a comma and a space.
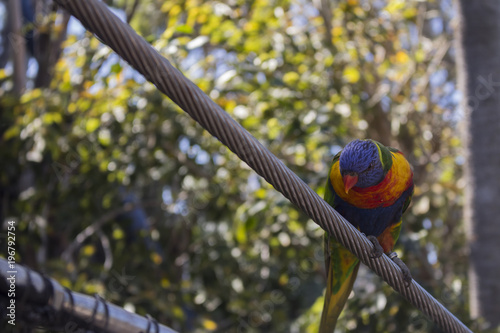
116, 68
92, 124
52, 117
186, 29
291, 78
11, 132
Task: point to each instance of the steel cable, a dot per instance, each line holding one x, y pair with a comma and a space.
64, 310
98, 19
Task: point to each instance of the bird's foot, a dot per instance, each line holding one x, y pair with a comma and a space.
377, 251
404, 269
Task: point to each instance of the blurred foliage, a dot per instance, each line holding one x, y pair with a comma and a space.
304, 78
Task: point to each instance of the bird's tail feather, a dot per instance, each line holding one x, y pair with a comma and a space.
342, 271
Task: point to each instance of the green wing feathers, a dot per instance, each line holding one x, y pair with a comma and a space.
342, 269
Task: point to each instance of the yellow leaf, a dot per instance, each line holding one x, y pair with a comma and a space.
230, 105
353, 53
88, 250
175, 10
253, 44
318, 305
395, 6
419, 55
92, 288
295, 226
178, 312
52, 117
31, 96
167, 5
250, 121
92, 124
402, 57
410, 13
71, 107
209, 324
455, 142
283, 280
351, 74
393, 310
274, 128
260, 193
165, 283
118, 234
337, 31
293, 214
156, 258
291, 78
65, 282
359, 12
94, 43
79, 62
104, 137
241, 233
251, 26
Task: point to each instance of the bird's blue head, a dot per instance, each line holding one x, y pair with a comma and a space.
360, 164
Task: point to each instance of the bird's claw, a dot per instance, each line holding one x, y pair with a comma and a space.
377, 251
404, 269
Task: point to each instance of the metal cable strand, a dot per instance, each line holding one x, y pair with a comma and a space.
97, 18
49, 304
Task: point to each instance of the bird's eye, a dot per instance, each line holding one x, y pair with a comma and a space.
372, 164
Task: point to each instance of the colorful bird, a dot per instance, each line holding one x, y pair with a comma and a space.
371, 186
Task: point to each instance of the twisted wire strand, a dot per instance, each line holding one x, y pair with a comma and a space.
59, 307
97, 18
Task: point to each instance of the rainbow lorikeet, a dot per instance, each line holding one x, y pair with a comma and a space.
371, 186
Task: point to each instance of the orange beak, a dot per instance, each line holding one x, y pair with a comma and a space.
350, 181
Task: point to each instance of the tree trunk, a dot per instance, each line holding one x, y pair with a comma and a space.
18, 45
48, 45
479, 78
